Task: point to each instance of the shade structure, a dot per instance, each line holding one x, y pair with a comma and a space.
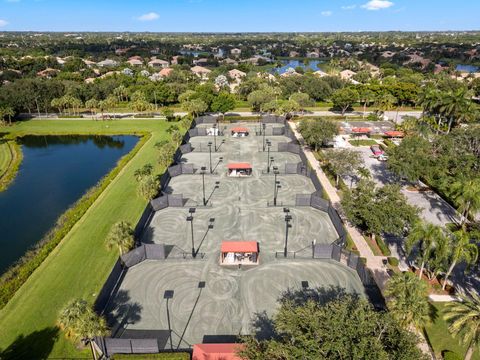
216, 351
239, 166
361, 130
239, 247
240, 130
398, 134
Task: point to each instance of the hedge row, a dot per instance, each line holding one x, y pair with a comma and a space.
383, 247
18, 273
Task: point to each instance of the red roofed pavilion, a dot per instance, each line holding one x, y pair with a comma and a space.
395, 134
239, 169
239, 253
216, 351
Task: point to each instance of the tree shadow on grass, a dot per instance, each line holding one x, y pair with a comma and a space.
34, 346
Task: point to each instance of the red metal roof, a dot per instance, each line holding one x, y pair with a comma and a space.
216, 351
395, 133
238, 166
239, 129
239, 246
361, 130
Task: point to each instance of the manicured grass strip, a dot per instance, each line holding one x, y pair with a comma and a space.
10, 160
440, 338
363, 142
80, 264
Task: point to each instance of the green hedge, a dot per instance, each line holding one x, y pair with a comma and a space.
389, 143
17, 274
392, 260
383, 247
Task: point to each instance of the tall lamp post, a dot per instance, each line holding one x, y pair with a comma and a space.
191, 211
269, 144
263, 127
215, 129
210, 151
288, 218
276, 186
203, 169
168, 295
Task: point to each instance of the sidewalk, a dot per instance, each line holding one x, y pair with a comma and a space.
374, 263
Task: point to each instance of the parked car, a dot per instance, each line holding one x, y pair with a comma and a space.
382, 157
376, 150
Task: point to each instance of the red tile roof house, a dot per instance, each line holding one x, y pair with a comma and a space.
158, 63
216, 351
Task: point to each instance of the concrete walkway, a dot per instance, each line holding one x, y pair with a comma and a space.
374, 263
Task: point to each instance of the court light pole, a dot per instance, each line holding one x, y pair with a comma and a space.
191, 211
264, 126
210, 151
276, 186
203, 169
215, 136
268, 156
288, 218
168, 294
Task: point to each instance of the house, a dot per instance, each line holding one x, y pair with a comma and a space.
158, 63
107, 63
313, 55
200, 71
236, 52
236, 74
89, 63
387, 54
200, 62
135, 62
216, 351
48, 73
229, 61
289, 72
294, 54
347, 74
165, 72
320, 73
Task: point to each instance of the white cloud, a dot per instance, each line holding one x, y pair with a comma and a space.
3, 23
377, 4
326, 13
148, 16
349, 7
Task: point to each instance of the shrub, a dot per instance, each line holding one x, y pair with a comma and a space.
389, 143
450, 355
383, 247
392, 260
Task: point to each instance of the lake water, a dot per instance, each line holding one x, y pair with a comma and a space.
312, 64
55, 172
467, 68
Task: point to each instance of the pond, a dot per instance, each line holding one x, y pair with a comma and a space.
308, 64
467, 68
56, 171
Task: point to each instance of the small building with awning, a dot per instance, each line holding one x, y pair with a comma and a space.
216, 351
394, 134
239, 169
361, 131
240, 132
239, 253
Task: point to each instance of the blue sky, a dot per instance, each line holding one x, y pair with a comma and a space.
238, 15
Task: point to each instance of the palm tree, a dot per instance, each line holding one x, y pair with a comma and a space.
464, 319
80, 323
426, 236
121, 236
407, 300
462, 249
8, 112
457, 107
466, 193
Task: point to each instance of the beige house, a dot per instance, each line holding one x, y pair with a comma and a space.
135, 62
158, 63
347, 74
236, 52
236, 74
200, 71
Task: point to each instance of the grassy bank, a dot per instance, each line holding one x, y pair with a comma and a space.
10, 160
440, 338
79, 265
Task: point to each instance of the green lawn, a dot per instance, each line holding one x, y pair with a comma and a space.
80, 264
5, 157
363, 142
163, 356
10, 160
441, 339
